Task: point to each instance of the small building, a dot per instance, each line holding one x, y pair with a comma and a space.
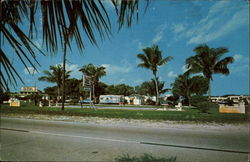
135, 100
234, 98
111, 99
29, 91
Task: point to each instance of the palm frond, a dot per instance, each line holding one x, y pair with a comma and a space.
221, 66
62, 22
165, 60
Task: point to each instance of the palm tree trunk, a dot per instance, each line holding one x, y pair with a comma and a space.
209, 89
64, 71
157, 91
58, 93
94, 92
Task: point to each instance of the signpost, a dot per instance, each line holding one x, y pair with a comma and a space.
87, 86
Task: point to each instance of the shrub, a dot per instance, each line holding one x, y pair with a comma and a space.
4, 97
45, 102
150, 102
194, 100
73, 101
205, 106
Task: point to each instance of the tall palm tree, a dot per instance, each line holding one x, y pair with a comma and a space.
208, 61
152, 59
61, 23
55, 76
95, 73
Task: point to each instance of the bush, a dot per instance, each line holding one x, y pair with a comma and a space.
195, 100
74, 101
45, 102
205, 106
150, 102
4, 97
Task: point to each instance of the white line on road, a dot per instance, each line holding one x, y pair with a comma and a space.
137, 142
93, 138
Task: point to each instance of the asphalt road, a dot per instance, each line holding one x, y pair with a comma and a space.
40, 140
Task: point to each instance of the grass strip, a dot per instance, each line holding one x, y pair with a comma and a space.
187, 115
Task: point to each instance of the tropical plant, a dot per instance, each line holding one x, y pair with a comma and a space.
73, 88
120, 89
95, 73
148, 88
152, 59
208, 61
55, 76
62, 21
185, 86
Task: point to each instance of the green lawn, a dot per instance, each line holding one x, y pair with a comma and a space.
116, 105
187, 115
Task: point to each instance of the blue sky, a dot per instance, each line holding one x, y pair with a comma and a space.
177, 27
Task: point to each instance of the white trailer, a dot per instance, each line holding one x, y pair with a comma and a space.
111, 99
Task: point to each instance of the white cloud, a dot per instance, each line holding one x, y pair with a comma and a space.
237, 57
171, 74
74, 68
159, 34
140, 46
178, 28
114, 69
30, 70
138, 81
158, 37
218, 23
122, 80
184, 68
239, 69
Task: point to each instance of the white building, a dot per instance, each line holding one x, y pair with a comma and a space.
111, 99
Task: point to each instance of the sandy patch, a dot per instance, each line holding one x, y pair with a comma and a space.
136, 123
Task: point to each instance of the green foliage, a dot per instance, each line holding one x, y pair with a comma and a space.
4, 96
148, 88
186, 86
100, 89
120, 89
205, 106
152, 59
194, 100
144, 158
173, 100
45, 102
90, 16
208, 61
74, 101
52, 91
55, 75
150, 102
94, 73
187, 115
73, 88
199, 85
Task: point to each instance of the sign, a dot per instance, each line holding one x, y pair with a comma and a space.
87, 81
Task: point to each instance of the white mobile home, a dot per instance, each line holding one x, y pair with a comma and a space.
111, 99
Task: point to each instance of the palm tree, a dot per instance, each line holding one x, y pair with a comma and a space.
152, 59
186, 86
60, 24
95, 73
208, 61
55, 76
